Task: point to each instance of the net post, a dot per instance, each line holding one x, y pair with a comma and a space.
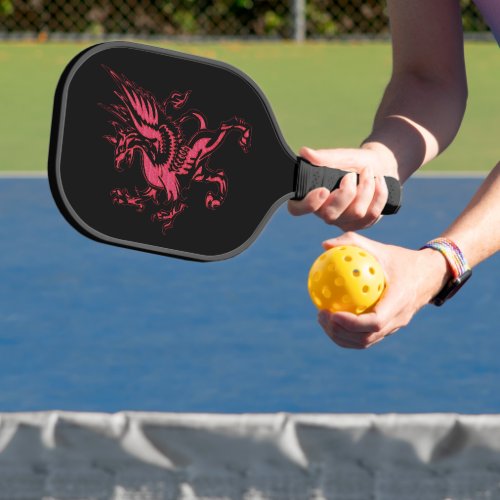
299, 20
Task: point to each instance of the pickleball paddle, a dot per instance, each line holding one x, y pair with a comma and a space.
172, 153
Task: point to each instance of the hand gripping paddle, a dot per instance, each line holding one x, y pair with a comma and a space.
171, 153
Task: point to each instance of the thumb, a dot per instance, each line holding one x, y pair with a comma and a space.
338, 157
349, 238
310, 155
377, 249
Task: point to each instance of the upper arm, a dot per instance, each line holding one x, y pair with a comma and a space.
427, 39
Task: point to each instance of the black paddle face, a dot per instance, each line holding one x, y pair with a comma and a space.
164, 152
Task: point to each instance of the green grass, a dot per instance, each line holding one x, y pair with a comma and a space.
323, 94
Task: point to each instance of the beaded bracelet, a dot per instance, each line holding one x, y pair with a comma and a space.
460, 269
452, 254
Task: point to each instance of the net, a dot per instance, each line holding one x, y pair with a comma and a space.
159, 456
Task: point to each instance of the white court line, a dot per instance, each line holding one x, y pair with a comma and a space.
453, 174
23, 174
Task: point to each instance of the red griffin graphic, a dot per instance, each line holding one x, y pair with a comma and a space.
169, 160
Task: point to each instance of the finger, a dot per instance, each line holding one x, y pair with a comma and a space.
353, 341
394, 310
366, 210
348, 238
359, 341
344, 344
338, 201
338, 157
365, 191
341, 340
333, 206
374, 342
376, 338
362, 340
348, 338
393, 332
380, 196
311, 155
338, 334
362, 324
311, 203
324, 318
385, 318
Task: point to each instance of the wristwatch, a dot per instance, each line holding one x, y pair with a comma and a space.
460, 270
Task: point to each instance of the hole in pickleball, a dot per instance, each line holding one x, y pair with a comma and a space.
363, 254
372, 270
379, 287
317, 276
327, 293
366, 289
360, 309
348, 258
356, 273
317, 300
330, 268
346, 299
339, 281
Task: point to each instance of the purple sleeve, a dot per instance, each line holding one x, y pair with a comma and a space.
490, 9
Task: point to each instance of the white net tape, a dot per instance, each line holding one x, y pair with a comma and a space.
160, 456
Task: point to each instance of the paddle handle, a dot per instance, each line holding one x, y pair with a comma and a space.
309, 177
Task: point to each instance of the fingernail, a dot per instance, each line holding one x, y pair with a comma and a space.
323, 316
348, 178
335, 324
324, 194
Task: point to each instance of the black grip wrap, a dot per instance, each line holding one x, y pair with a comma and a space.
394, 197
310, 177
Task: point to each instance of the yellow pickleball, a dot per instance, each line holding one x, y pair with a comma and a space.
346, 278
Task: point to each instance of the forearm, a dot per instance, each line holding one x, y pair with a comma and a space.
477, 230
416, 120
424, 103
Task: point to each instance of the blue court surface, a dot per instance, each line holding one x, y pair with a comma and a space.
90, 327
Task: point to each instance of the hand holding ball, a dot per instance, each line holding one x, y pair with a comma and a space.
346, 278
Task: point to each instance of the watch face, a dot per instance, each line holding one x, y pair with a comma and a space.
451, 288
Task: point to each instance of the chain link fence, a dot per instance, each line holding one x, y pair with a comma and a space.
284, 19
